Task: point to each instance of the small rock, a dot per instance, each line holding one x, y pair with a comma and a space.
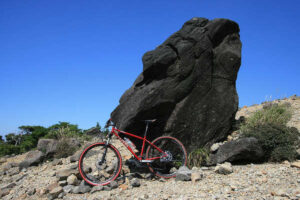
63, 183
88, 170
74, 166
173, 170
113, 184
8, 186
55, 192
97, 188
298, 150
13, 171
214, 147
135, 182
229, 138
204, 168
61, 195
144, 196
196, 176
76, 190
183, 174
57, 162
7, 166
224, 168
72, 180
31, 192
52, 173
76, 156
162, 180
42, 191
65, 173
286, 162
106, 188
4, 192
3, 160
68, 188
52, 186
110, 169
81, 189
123, 186
296, 164
195, 168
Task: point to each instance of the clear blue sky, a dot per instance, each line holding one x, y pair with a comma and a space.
72, 60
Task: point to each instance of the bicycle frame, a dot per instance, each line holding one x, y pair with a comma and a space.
116, 132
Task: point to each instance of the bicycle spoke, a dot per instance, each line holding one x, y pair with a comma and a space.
174, 156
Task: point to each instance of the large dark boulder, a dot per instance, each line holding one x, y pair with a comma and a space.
188, 84
238, 151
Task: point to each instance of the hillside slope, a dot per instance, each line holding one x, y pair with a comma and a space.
251, 181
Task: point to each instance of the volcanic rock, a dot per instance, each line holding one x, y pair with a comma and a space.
188, 84
241, 150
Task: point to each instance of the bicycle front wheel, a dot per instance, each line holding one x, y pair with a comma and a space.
166, 166
99, 164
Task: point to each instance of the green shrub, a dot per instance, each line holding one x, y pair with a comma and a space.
271, 114
65, 148
198, 157
278, 141
8, 149
268, 125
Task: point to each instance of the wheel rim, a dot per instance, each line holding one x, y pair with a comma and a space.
176, 157
96, 172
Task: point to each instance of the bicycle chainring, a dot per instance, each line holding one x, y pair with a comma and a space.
166, 158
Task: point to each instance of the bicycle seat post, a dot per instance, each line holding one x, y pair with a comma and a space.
146, 130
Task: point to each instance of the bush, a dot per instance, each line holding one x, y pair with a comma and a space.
65, 148
28, 137
65, 129
8, 149
271, 114
268, 125
278, 141
198, 157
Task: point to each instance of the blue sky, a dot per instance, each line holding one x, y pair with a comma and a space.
72, 60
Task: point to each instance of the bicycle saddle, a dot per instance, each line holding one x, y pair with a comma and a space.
149, 120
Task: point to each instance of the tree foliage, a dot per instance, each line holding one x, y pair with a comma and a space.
28, 137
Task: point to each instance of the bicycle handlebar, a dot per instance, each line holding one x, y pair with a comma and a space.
109, 123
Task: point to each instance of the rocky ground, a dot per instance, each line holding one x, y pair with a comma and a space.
59, 179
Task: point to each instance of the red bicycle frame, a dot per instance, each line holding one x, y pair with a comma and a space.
140, 158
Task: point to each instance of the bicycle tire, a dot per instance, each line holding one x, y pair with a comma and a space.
177, 162
90, 168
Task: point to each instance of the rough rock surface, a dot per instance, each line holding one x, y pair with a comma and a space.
244, 149
32, 158
188, 84
183, 174
225, 168
47, 146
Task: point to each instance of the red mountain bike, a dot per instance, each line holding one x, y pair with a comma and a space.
101, 163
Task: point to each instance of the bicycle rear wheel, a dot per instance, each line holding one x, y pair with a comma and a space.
99, 164
166, 167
